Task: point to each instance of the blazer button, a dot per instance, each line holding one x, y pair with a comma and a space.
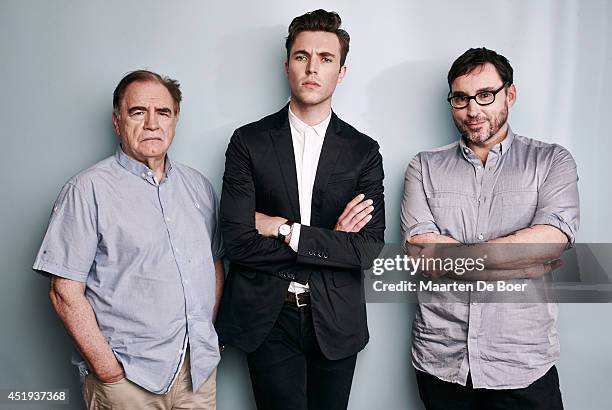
325, 256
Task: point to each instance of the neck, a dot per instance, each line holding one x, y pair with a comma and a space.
155, 164
158, 166
311, 114
482, 149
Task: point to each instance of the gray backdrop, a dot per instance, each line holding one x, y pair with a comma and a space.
60, 61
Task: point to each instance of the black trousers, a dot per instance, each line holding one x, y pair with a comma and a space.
543, 394
289, 372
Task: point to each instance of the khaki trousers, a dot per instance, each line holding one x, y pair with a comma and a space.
125, 395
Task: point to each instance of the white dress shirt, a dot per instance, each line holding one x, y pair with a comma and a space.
307, 144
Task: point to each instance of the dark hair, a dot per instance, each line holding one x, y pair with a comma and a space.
476, 57
319, 20
171, 85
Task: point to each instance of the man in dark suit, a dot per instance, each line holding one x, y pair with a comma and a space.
302, 214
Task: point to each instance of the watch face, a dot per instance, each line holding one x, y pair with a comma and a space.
284, 229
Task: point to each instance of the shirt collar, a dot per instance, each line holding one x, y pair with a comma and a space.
500, 148
138, 168
301, 126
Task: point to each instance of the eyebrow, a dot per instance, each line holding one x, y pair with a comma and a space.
132, 110
322, 53
480, 90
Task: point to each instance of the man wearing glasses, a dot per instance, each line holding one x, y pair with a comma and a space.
492, 186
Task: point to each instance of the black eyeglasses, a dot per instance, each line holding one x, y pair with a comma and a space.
482, 98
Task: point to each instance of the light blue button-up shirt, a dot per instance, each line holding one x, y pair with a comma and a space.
146, 253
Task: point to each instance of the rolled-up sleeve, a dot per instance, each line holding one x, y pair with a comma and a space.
416, 217
70, 243
558, 202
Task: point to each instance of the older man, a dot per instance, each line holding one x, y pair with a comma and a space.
133, 250
491, 188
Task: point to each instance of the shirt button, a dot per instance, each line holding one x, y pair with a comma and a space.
144, 175
474, 303
189, 317
479, 167
481, 237
168, 218
149, 173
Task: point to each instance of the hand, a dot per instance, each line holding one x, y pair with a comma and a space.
425, 252
268, 225
111, 373
534, 271
356, 215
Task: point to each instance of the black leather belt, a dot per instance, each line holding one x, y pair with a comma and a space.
299, 300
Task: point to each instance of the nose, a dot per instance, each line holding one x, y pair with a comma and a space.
313, 66
151, 121
473, 109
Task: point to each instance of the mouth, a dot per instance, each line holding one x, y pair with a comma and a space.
150, 139
311, 84
474, 124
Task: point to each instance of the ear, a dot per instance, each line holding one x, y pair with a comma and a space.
341, 74
116, 124
511, 95
287, 68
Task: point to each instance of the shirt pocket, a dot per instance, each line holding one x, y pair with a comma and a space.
447, 210
517, 209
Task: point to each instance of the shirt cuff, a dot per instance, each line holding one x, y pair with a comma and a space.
45, 268
295, 236
423, 227
543, 218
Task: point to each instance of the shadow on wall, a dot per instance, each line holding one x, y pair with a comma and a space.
250, 83
408, 109
258, 55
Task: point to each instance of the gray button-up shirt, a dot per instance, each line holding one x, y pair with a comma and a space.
146, 253
448, 191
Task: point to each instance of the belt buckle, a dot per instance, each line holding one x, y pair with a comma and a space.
297, 300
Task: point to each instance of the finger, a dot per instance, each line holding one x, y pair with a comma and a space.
413, 250
361, 223
358, 208
362, 214
350, 205
355, 201
345, 221
534, 272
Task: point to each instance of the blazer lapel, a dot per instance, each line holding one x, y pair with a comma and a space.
332, 146
283, 148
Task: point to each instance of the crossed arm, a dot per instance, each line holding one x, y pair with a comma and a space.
250, 236
356, 214
527, 253
535, 252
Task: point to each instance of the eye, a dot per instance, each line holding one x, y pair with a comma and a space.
300, 58
485, 94
327, 60
137, 114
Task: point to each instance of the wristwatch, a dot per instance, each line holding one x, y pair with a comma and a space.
284, 230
